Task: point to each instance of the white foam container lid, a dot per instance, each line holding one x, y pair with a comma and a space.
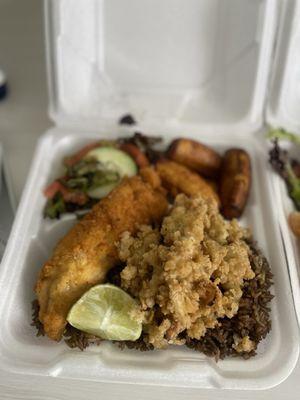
200, 69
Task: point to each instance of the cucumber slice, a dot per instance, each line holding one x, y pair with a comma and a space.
101, 191
114, 160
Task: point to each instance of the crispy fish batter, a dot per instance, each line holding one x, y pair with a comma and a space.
177, 178
82, 258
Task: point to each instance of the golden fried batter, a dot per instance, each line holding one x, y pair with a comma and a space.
189, 273
82, 258
177, 178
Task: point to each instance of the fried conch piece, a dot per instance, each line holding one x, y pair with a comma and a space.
82, 258
177, 178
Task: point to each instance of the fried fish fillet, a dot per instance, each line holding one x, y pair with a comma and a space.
177, 178
83, 257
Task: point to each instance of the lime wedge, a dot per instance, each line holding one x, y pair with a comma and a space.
106, 311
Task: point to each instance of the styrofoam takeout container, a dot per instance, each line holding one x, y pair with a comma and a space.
195, 68
1, 164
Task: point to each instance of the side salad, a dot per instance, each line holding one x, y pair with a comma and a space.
92, 172
289, 169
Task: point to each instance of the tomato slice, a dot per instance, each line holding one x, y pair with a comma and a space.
52, 189
68, 195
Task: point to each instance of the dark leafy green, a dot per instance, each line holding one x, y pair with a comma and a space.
55, 207
285, 166
147, 144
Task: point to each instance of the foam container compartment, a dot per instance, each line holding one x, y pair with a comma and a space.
291, 243
283, 110
199, 69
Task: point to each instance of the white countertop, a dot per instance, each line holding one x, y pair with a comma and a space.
23, 117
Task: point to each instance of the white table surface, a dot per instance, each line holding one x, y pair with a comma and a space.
23, 117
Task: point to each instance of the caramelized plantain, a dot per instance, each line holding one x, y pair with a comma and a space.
196, 156
235, 182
